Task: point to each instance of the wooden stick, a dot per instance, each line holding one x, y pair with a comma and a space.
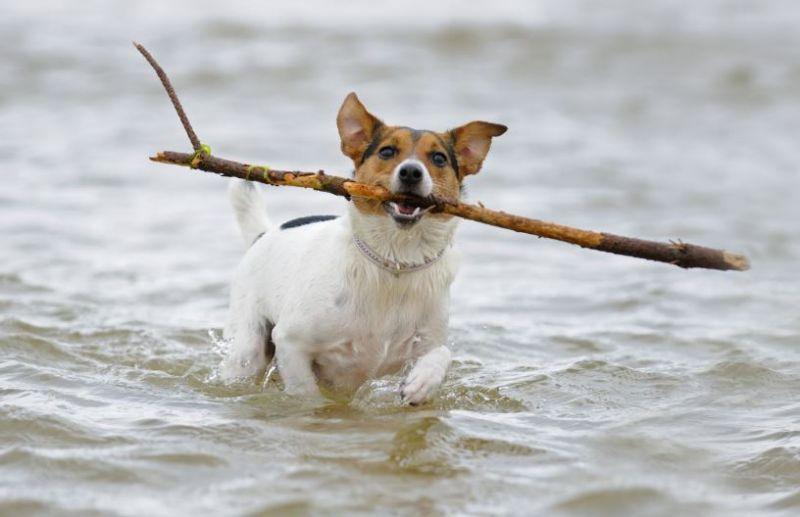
678, 253
176, 103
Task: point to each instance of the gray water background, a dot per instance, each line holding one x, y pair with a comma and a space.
583, 383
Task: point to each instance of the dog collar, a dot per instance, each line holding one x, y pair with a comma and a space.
393, 266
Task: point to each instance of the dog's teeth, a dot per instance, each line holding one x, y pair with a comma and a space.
416, 211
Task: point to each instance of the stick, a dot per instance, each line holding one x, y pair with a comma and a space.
678, 253
172, 95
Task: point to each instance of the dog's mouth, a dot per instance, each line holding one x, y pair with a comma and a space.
404, 214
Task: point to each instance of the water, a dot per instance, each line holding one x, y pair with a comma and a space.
583, 383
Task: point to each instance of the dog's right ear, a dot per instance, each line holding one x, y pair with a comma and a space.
357, 127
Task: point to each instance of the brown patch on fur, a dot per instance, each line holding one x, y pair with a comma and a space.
363, 135
446, 179
357, 127
377, 171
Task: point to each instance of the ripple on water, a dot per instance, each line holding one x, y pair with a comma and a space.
744, 373
626, 500
425, 446
107, 465
383, 396
49, 425
788, 502
594, 386
11, 504
739, 381
775, 469
183, 459
446, 446
36, 347
13, 284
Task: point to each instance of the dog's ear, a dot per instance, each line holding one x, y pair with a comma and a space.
356, 126
471, 143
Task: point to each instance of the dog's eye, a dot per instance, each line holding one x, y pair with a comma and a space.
439, 159
387, 152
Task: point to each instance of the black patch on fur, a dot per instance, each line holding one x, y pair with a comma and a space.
373, 145
451, 152
309, 219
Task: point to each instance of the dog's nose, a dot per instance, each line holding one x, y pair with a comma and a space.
410, 174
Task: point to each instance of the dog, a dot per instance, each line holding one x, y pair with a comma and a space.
341, 300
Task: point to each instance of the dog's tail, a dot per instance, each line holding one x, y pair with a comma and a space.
249, 208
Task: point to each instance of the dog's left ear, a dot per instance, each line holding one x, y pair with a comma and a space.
356, 126
472, 141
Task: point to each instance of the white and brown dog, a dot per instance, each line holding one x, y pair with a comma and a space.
340, 300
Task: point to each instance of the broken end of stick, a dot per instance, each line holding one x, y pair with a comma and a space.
678, 253
172, 158
159, 157
692, 255
736, 262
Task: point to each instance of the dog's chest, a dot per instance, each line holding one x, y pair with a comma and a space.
377, 337
348, 364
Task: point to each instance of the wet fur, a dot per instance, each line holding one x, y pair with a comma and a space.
330, 315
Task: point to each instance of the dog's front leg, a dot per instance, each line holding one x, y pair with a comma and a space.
294, 363
426, 375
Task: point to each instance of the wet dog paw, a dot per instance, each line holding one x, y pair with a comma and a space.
421, 383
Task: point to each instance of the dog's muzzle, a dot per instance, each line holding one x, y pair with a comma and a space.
409, 177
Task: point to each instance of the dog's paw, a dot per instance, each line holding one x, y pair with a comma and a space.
421, 382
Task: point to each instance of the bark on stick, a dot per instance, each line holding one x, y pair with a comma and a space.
678, 253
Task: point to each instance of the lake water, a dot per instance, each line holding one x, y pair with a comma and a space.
583, 383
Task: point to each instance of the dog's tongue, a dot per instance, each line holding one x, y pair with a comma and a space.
405, 209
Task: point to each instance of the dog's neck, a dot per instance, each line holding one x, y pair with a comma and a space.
425, 241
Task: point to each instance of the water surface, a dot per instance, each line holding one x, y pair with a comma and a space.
583, 383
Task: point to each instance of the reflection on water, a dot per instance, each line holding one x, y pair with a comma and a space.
583, 383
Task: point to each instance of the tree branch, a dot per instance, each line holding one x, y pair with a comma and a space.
172, 95
678, 253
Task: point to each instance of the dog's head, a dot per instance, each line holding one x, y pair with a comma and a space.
410, 161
